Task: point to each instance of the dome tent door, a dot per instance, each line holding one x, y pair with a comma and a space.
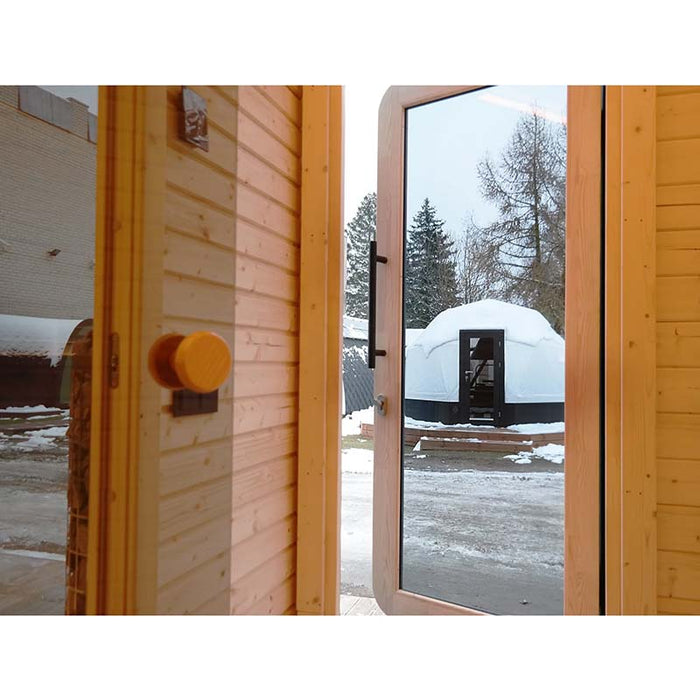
481, 376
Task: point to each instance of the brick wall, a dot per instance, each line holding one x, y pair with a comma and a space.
47, 202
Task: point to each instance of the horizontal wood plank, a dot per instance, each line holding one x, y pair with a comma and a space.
256, 516
678, 217
268, 214
198, 259
678, 344
194, 218
679, 482
264, 412
672, 195
196, 299
188, 550
254, 345
257, 105
186, 594
678, 162
270, 451
187, 431
263, 245
280, 599
678, 606
257, 174
188, 467
678, 298
253, 379
249, 589
255, 311
679, 529
678, 436
248, 555
284, 99
257, 140
256, 276
188, 509
678, 575
678, 116
678, 389
201, 180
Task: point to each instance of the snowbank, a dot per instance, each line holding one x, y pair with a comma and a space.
35, 337
533, 353
550, 453
352, 423
354, 328
357, 461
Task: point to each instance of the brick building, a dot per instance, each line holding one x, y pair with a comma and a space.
47, 204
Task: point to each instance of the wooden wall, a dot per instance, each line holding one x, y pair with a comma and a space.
263, 532
678, 348
227, 511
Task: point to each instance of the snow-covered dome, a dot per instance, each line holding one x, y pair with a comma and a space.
35, 337
534, 353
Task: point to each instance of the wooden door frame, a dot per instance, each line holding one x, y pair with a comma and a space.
129, 229
583, 311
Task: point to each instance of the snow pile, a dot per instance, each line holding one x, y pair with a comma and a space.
35, 439
357, 461
412, 334
535, 428
35, 337
550, 453
29, 409
352, 423
354, 328
533, 353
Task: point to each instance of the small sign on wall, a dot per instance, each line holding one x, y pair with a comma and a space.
194, 127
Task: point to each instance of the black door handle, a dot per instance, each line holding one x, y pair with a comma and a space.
372, 334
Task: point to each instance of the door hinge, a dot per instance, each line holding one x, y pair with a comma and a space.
114, 360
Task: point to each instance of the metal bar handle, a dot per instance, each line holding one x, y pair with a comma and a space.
372, 335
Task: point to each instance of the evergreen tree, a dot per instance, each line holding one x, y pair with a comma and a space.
430, 269
359, 232
528, 185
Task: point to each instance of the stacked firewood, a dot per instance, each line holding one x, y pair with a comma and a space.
78, 475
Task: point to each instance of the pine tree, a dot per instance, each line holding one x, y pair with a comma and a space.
430, 269
359, 232
528, 185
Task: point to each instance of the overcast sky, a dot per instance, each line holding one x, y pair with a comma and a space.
446, 139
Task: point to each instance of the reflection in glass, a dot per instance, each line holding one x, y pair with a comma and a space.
483, 465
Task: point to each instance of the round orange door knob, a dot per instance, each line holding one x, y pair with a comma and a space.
199, 362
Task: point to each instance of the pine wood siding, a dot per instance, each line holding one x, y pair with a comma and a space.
264, 521
678, 348
227, 511
198, 294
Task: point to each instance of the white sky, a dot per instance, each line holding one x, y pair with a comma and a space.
447, 139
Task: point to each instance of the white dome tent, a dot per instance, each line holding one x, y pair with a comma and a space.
485, 362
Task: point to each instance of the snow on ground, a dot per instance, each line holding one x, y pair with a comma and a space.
358, 461
552, 453
34, 439
535, 428
28, 409
352, 423
355, 328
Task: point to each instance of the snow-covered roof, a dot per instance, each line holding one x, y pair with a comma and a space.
354, 328
412, 334
533, 354
521, 325
35, 337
